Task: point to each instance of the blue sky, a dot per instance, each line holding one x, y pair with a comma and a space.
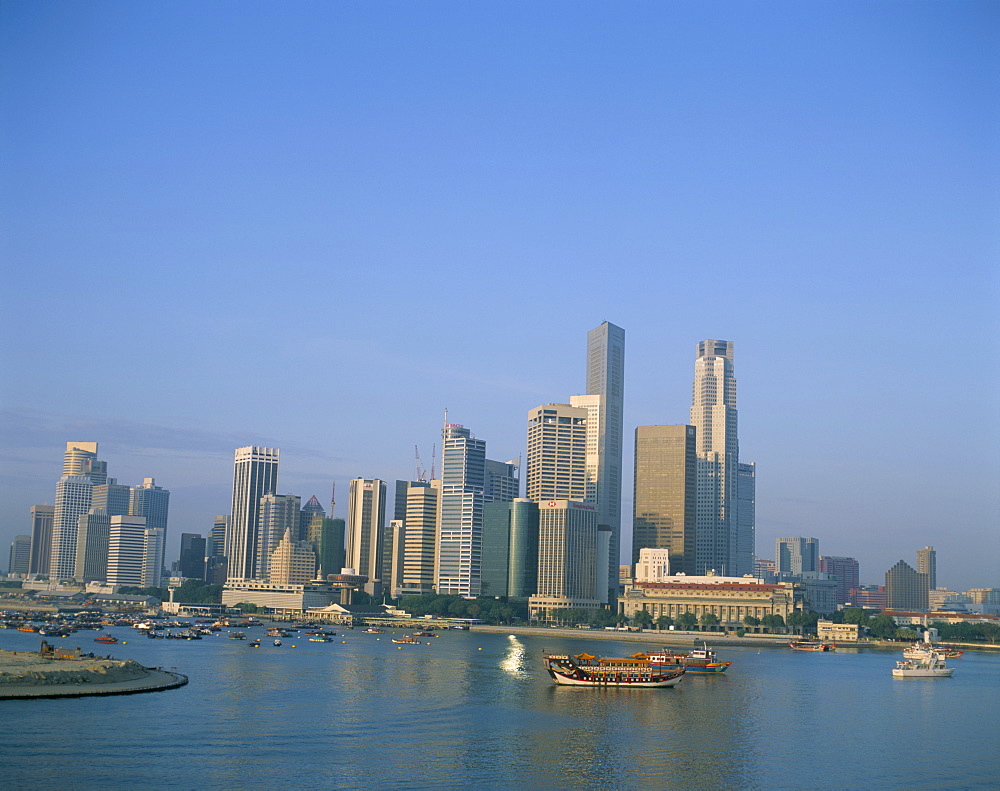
315, 226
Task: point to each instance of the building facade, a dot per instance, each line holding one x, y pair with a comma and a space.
20, 555
927, 564
906, 588
365, 530
41, 538
605, 377
279, 514
510, 548
847, 572
729, 599
714, 415
255, 474
796, 555
568, 558
462, 497
666, 491
92, 546
417, 510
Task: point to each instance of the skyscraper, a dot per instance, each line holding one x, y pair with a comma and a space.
152, 502
129, 551
20, 555
417, 510
41, 538
510, 548
279, 514
557, 453
73, 496
92, 537
365, 529
310, 510
905, 588
796, 555
606, 378
191, 563
460, 537
568, 554
847, 572
255, 474
713, 414
666, 486
74, 492
927, 564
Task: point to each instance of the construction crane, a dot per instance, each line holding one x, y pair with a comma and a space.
421, 473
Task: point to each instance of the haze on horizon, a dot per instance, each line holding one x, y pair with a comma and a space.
316, 226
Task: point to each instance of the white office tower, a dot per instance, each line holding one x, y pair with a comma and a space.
127, 550
365, 529
606, 377
567, 558
565, 462
279, 514
93, 534
152, 558
460, 536
255, 473
74, 493
713, 413
152, 502
73, 497
292, 562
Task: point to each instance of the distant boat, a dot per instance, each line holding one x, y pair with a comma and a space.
237, 636
700, 660
406, 639
277, 642
373, 630
811, 645
254, 644
105, 638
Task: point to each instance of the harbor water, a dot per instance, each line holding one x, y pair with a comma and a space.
468, 709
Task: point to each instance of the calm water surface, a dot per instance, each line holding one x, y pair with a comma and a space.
477, 710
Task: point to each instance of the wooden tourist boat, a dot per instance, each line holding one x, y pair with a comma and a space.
585, 670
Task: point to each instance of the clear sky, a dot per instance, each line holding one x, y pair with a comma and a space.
315, 226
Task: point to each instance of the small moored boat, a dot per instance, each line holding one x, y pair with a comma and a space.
811, 645
105, 638
406, 639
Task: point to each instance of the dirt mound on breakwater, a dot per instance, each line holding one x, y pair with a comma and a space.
23, 669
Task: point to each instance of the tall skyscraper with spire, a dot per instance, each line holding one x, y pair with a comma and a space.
606, 378
713, 414
255, 473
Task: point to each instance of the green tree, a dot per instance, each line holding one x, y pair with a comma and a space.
795, 620
709, 619
664, 622
601, 618
687, 621
855, 615
643, 619
772, 622
751, 621
883, 627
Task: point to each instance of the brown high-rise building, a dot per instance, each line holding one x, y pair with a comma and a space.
905, 588
666, 491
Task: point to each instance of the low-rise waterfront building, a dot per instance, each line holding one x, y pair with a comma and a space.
827, 631
278, 597
730, 599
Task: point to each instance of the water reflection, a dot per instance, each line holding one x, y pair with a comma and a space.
514, 660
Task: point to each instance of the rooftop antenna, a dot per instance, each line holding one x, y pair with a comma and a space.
333, 497
433, 457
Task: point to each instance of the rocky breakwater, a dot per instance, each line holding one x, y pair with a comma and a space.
31, 675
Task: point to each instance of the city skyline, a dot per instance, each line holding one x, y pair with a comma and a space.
817, 188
